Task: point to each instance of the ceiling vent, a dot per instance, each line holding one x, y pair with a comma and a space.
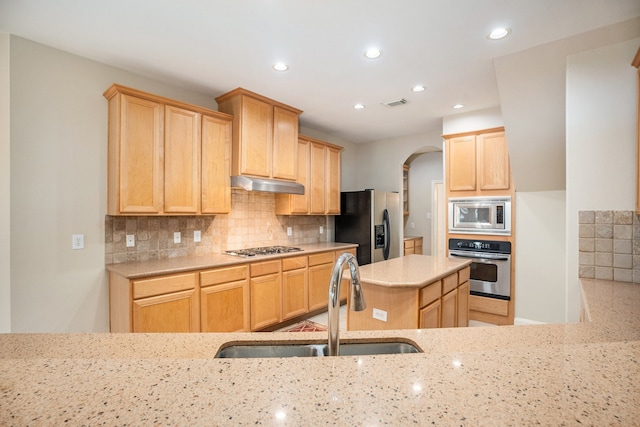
395, 102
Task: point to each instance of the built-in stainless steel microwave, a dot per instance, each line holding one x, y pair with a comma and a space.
480, 215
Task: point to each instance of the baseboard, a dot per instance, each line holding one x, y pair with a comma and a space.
521, 321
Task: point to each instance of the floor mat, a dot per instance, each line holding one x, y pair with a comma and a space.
306, 326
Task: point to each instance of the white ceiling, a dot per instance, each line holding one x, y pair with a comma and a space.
214, 46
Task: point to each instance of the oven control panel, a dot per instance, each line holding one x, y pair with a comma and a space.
481, 245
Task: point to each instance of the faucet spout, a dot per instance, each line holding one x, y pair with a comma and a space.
356, 301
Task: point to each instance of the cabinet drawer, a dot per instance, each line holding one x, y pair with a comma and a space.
223, 275
163, 285
464, 275
430, 293
488, 305
449, 283
409, 244
267, 267
294, 263
323, 258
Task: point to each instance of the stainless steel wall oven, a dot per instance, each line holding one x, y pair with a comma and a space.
490, 266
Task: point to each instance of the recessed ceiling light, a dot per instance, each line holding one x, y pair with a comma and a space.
280, 66
359, 106
373, 53
458, 106
499, 33
418, 88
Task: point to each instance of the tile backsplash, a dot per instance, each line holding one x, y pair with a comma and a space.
252, 222
609, 245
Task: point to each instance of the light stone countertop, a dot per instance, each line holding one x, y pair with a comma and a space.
559, 374
410, 271
137, 270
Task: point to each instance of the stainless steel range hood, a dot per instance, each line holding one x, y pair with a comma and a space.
250, 183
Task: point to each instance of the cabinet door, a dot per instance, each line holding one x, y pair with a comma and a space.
256, 137
216, 161
225, 307
463, 305
332, 179
288, 204
319, 278
493, 161
461, 163
430, 315
181, 161
295, 299
318, 183
449, 310
265, 301
175, 312
135, 156
285, 144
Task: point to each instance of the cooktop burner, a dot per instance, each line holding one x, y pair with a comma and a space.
265, 250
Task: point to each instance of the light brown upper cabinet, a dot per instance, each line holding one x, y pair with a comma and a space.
265, 135
319, 172
166, 157
478, 162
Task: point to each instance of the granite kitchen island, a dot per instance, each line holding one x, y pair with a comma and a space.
413, 291
562, 374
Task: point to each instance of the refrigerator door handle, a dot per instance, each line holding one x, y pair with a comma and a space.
387, 231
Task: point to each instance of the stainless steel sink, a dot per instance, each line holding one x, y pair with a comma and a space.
259, 350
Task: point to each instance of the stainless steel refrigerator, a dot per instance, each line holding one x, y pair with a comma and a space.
371, 219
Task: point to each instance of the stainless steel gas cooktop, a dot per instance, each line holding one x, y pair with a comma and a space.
266, 250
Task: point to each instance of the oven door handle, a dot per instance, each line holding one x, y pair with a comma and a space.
491, 257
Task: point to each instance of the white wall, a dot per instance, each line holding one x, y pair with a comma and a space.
540, 257
425, 169
601, 141
5, 191
58, 185
472, 121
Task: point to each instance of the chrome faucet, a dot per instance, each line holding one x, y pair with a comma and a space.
356, 302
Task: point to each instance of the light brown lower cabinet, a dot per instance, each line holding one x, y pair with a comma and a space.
295, 287
224, 299
430, 315
463, 304
165, 304
320, 269
440, 304
413, 245
244, 297
265, 294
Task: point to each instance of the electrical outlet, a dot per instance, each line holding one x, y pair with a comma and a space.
197, 236
379, 314
413, 225
321, 229
131, 240
289, 231
77, 241
177, 237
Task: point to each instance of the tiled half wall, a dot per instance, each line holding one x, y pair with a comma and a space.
252, 222
609, 245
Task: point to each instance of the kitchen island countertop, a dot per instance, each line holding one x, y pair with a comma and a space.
410, 271
556, 374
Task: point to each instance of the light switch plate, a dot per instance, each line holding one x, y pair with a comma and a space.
289, 231
321, 229
197, 236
